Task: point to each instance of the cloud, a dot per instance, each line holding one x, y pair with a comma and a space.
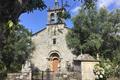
108, 3
117, 3
76, 10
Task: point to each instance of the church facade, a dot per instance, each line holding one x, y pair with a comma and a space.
51, 50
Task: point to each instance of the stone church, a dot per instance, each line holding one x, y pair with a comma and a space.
51, 50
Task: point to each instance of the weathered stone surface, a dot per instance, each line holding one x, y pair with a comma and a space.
44, 47
87, 70
85, 64
19, 76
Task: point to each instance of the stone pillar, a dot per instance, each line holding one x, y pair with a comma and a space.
87, 68
85, 64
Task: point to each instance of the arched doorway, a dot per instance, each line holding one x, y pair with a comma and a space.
54, 62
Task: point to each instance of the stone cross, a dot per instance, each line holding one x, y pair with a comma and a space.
26, 67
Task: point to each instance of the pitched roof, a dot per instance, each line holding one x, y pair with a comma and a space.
39, 31
44, 29
85, 57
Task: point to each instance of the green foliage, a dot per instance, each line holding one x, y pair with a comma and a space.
94, 30
16, 48
111, 69
30, 5
93, 42
97, 31
99, 72
74, 43
2, 69
64, 15
88, 4
15, 41
12, 9
108, 67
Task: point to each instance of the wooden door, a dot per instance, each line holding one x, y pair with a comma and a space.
55, 64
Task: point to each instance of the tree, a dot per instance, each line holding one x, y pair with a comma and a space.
96, 32
15, 41
17, 48
84, 32
11, 10
88, 3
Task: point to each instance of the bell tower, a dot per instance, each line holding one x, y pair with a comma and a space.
55, 29
54, 14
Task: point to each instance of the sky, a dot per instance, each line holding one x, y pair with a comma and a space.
37, 20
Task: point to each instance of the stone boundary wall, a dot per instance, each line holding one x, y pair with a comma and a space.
19, 76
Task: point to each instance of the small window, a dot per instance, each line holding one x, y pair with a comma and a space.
52, 18
52, 21
54, 41
52, 15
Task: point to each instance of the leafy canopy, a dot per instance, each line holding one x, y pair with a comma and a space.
15, 41
97, 32
12, 9
17, 47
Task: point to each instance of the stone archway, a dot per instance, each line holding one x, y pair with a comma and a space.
54, 61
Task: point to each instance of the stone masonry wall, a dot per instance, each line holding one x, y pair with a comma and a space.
87, 70
44, 46
19, 76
